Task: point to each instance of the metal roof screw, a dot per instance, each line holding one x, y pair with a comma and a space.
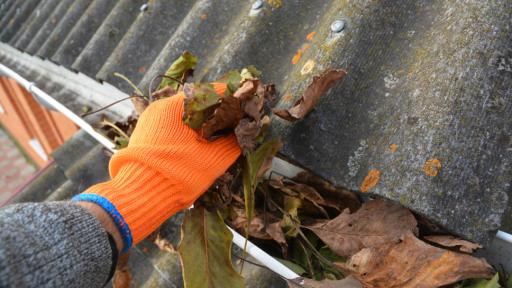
257, 5
337, 26
144, 7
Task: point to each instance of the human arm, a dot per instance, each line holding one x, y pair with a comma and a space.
164, 169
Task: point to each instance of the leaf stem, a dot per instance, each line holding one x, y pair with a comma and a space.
108, 106
135, 88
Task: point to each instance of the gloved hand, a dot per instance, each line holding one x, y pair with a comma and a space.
164, 169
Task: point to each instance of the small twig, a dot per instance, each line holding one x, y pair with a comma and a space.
109, 105
310, 266
315, 252
313, 249
150, 89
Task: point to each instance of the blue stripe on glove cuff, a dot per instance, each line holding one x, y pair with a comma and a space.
112, 211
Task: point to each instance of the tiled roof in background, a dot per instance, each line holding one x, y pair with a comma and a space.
431, 78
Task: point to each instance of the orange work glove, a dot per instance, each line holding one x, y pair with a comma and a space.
164, 169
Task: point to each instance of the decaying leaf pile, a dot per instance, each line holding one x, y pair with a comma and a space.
321, 232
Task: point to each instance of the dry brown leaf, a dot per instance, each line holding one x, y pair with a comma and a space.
413, 263
122, 276
275, 231
246, 131
376, 223
318, 87
164, 244
226, 116
342, 198
246, 90
450, 241
347, 282
167, 91
257, 228
253, 107
139, 104
267, 91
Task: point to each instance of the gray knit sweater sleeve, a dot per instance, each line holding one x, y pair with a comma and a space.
54, 244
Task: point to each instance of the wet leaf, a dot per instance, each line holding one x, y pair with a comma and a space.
348, 282
413, 263
450, 241
122, 276
226, 116
377, 222
179, 68
484, 283
200, 102
205, 251
320, 85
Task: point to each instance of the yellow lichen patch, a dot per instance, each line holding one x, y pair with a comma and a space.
308, 67
432, 167
310, 36
275, 3
296, 57
287, 98
393, 147
371, 179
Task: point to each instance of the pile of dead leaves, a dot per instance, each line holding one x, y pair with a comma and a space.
321, 232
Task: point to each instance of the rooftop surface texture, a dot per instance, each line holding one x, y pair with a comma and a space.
425, 106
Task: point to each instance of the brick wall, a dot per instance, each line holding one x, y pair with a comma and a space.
38, 130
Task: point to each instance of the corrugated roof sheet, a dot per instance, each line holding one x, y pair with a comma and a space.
432, 77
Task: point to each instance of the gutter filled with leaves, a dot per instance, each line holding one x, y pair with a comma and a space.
321, 232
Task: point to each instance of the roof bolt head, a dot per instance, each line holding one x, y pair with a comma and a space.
144, 7
337, 26
257, 5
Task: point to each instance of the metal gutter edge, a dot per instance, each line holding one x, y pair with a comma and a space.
238, 239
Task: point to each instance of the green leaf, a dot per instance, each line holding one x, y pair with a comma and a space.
232, 80
294, 267
205, 251
509, 281
187, 61
250, 72
291, 222
199, 104
121, 142
255, 162
484, 283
